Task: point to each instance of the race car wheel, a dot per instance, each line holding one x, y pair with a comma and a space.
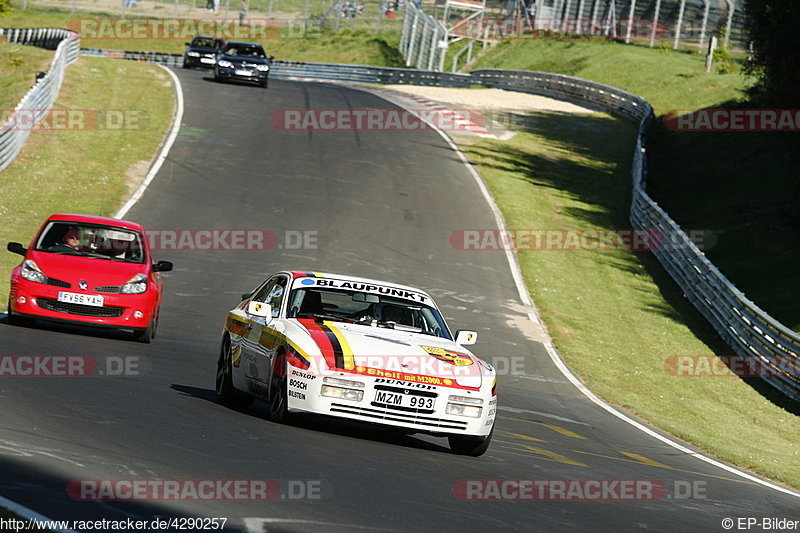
278, 398
226, 394
146, 335
467, 445
264, 83
185, 64
16, 320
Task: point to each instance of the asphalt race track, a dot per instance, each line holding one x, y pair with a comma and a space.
380, 205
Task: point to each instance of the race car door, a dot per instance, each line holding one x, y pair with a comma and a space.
263, 339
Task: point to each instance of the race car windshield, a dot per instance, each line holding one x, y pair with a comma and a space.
245, 51
92, 240
367, 309
204, 43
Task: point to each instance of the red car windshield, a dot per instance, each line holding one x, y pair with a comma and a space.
92, 240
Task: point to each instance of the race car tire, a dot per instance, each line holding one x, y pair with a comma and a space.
146, 335
264, 83
279, 398
226, 394
16, 320
467, 445
185, 64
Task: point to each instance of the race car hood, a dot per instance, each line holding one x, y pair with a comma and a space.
96, 272
387, 352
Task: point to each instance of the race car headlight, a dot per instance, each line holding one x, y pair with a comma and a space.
459, 409
466, 399
193, 54
262, 68
136, 285
32, 272
224, 63
342, 389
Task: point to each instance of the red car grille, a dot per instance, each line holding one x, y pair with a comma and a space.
58, 283
109, 289
78, 309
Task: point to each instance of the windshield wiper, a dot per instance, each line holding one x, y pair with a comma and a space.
326, 316
399, 327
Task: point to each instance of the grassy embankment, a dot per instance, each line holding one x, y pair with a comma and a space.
617, 317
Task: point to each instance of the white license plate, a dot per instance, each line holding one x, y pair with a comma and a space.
240, 72
83, 299
206, 60
404, 400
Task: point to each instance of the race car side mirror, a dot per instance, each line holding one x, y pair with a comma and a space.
17, 248
465, 337
261, 309
162, 266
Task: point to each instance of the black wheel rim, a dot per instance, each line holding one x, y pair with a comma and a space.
223, 368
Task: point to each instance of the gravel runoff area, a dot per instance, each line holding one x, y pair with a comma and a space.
491, 99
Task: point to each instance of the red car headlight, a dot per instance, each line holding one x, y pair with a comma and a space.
32, 272
136, 285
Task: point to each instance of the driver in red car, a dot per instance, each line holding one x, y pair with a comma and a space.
72, 238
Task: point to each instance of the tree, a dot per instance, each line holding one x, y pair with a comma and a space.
772, 26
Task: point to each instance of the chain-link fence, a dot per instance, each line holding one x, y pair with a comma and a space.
675, 24
424, 40
35, 105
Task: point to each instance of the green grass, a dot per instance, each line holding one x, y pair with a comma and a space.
616, 316
743, 189
86, 170
18, 68
668, 80
357, 45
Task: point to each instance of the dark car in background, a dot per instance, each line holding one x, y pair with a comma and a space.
243, 61
202, 52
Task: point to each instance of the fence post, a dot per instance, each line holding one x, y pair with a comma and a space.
731, 9
712, 46
655, 23
678, 25
630, 21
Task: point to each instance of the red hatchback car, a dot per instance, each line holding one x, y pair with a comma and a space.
91, 270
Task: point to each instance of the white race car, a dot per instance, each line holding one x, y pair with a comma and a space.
358, 349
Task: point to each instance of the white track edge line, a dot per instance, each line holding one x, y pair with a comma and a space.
176, 126
516, 274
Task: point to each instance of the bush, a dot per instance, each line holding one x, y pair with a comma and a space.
772, 27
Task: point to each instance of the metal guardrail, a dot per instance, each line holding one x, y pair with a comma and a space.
314, 71
772, 348
35, 105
